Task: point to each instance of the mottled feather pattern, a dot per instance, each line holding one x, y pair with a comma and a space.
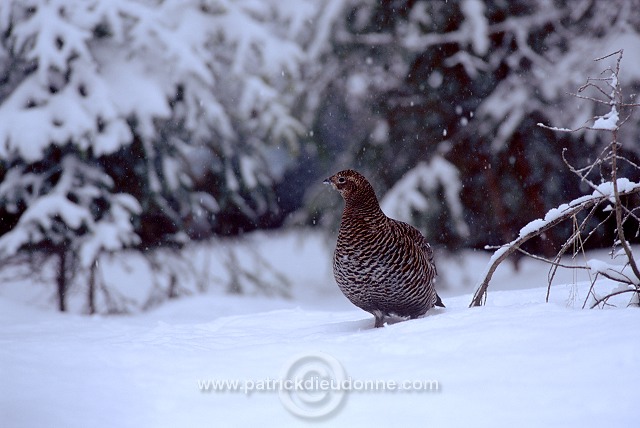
381, 265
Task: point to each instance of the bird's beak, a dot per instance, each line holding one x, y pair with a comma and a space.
327, 181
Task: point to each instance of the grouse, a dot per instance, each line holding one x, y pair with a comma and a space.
381, 265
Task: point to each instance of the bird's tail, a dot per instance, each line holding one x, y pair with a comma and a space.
439, 301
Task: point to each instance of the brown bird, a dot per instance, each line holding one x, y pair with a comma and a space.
381, 265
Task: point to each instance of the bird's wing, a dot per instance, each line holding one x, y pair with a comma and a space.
416, 237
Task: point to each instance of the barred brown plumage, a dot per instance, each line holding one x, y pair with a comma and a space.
381, 265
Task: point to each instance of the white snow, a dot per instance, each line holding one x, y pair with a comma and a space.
608, 122
611, 270
358, 85
380, 133
624, 185
533, 226
478, 25
515, 362
554, 128
506, 106
113, 232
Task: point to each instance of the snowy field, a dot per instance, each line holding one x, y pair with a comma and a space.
515, 362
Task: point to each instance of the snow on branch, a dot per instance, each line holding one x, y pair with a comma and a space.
408, 194
66, 213
538, 226
107, 72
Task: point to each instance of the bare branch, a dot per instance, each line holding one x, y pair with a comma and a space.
550, 261
581, 172
591, 291
624, 279
596, 87
610, 295
506, 250
553, 128
618, 52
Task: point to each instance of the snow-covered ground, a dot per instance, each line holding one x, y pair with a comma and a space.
515, 362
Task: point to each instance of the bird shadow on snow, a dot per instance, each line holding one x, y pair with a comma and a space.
352, 326
368, 323
393, 319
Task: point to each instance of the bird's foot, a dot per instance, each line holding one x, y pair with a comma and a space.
379, 319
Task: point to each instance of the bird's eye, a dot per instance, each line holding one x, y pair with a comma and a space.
342, 180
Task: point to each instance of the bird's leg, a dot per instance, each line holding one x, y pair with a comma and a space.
379, 318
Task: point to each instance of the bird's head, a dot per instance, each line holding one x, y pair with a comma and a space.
350, 184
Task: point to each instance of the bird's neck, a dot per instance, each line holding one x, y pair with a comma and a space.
365, 209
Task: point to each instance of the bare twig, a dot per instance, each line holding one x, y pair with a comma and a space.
577, 236
610, 295
552, 262
591, 291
